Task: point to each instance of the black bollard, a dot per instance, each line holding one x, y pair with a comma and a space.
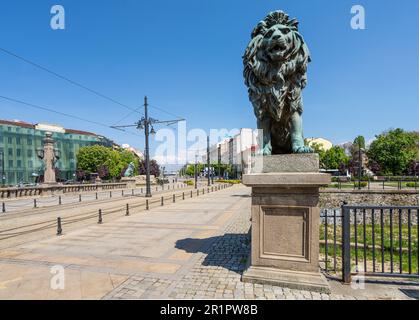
96, 196
79, 197
59, 228
110, 194
174, 198
132, 192
162, 201
3, 208
127, 210
183, 195
59, 200
191, 194
34, 203
100, 217
146, 205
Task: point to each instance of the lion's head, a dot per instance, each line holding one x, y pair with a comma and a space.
275, 66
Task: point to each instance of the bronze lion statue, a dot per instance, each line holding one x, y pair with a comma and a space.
275, 71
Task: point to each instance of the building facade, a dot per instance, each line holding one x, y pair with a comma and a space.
20, 142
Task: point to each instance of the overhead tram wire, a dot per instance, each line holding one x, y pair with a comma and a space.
63, 114
66, 79
75, 83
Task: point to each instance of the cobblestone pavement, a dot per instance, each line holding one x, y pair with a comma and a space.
215, 274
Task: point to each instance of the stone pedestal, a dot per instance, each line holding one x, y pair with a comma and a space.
130, 181
285, 222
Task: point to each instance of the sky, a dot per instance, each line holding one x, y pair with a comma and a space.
185, 55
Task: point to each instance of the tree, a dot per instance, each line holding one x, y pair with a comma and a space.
359, 142
154, 168
126, 158
393, 151
103, 172
93, 159
334, 158
413, 168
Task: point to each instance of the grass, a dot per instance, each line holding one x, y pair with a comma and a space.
378, 250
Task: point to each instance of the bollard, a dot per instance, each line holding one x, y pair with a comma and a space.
132, 192
127, 211
96, 195
183, 195
100, 217
174, 198
162, 201
197, 193
157, 189
59, 200
203, 190
34, 203
3, 208
141, 190
59, 228
122, 193
79, 197
146, 205
110, 194
191, 194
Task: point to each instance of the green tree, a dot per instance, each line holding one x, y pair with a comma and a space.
359, 142
93, 159
334, 158
393, 151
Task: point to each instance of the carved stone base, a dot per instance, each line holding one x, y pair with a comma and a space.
285, 223
310, 281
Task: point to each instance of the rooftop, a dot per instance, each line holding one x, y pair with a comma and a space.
42, 126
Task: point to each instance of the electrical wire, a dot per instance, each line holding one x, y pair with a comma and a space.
60, 113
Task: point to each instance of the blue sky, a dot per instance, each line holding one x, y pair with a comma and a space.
186, 56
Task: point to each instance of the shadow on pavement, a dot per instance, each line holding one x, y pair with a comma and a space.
230, 251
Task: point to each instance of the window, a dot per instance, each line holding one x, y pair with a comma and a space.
10, 163
29, 142
17, 140
9, 140
18, 152
29, 153
9, 129
30, 164
10, 152
19, 163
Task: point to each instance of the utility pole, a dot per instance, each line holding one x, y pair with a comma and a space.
196, 171
360, 165
147, 149
145, 123
219, 162
208, 160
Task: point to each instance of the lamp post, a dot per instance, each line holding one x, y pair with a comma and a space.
359, 165
208, 161
196, 171
145, 123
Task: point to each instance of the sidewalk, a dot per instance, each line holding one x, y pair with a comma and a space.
191, 249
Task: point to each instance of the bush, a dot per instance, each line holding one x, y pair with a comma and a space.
189, 182
411, 185
230, 181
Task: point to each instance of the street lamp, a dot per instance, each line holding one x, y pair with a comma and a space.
196, 171
146, 124
359, 165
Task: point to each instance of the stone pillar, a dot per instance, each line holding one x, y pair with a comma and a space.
285, 222
49, 159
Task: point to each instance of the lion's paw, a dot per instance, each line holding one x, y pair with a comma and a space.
302, 149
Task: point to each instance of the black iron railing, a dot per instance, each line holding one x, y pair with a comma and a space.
378, 240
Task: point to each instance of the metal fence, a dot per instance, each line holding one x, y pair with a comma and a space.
373, 240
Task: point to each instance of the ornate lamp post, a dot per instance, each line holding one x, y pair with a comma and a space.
50, 157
